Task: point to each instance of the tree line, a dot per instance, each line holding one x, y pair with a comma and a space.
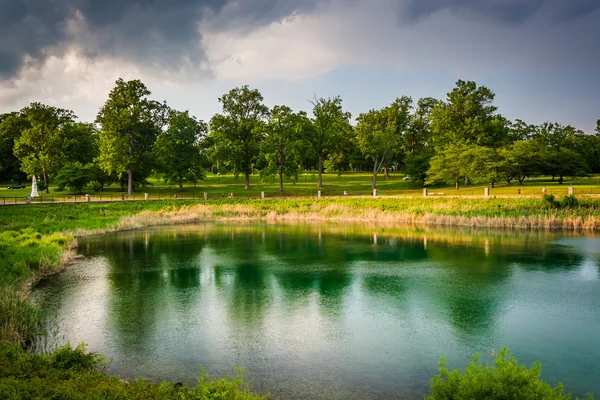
461, 138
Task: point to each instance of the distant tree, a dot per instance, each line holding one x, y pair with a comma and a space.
559, 142
40, 147
130, 123
329, 121
79, 142
379, 132
468, 116
178, 149
73, 175
11, 126
447, 166
282, 145
522, 159
239, 131
417, 141
520, 130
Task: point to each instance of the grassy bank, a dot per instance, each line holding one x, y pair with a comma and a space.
38, 240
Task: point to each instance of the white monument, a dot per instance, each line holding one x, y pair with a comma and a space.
34, 192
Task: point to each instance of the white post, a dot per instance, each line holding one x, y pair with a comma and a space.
262, 195
205, 196
486, 191
424, 192
146, 196
318, 194
87, 198
571, 192
374, 192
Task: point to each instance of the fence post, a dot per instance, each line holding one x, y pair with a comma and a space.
424, 192
87, 197
486, 191
262, 195
205, 196
374, 192
571, 191
318, 194
146, 196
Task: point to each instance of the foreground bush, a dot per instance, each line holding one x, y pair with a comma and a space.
75, 374
504, 379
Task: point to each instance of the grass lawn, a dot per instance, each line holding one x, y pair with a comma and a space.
354, 183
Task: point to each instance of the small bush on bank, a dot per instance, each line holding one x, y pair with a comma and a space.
72, 374
550, 202
504, 379
569, 202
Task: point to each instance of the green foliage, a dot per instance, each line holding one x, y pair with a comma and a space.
329, 124
239, 130
282, 145
549, 201
504, 379
178, 149
72, 374
379, 132
40, 147
130, 124
569, 202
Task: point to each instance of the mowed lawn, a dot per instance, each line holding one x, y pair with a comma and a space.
353, 183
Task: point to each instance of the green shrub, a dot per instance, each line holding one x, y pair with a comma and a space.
70, 374
504, 379
569, 202
549, 201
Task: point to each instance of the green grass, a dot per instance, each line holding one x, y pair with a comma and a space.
69, 373
355, 183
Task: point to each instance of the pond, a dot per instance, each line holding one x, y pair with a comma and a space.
332, 311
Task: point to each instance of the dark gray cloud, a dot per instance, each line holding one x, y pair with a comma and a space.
501, 11
151, 32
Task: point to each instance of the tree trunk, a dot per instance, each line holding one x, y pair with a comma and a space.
280, 180
386, 172
180, 186
247, 184
560, 180
320, 185
467, 181
45, 181
129, 181
457, 185
492, 184
374, 182
552, 178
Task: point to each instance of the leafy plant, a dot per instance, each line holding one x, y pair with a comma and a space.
570, 201
504, 379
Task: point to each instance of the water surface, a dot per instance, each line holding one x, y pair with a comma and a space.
332, 311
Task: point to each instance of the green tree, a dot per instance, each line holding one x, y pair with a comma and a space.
178, 149
130, 124
468, 116
559, 143
417, 144
11, 126
282, 145
239, 130
329, 121
504, 379
40, 147
447, 166
379, 132
522, 159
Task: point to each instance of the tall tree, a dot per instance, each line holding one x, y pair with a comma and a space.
329, 120
283, 143
447, 165
178, 149
11, 126
379, 132
468, 116
130, 123
40, 147
239, 130
417, 143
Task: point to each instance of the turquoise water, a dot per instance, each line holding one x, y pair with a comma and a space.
332, 311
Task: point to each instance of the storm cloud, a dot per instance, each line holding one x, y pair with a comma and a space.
509, 12
162, 33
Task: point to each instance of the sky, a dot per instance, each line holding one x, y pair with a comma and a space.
540, 57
